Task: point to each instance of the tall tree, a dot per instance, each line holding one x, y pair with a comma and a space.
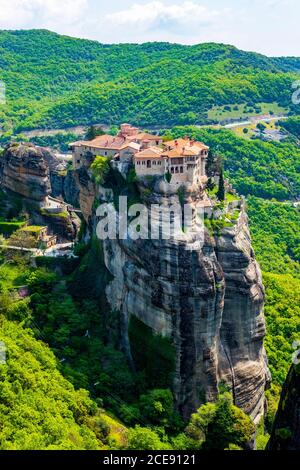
210, 163
93, 132
221, 189
221, 425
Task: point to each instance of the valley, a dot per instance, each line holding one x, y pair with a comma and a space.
147, 344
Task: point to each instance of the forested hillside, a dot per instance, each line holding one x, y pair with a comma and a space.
39, 408
263, 169
58, 81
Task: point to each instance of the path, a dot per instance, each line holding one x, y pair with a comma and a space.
55, 251
19, 248
253, 121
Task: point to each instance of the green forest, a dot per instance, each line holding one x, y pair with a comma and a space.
58, 81
66, 383
84, 347
64, 378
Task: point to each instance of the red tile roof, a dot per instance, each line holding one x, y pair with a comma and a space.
180, 143
144, 136
151, 152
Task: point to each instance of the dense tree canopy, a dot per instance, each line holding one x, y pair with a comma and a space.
39, 408
220, 425
263, 169
292, 126
58, 81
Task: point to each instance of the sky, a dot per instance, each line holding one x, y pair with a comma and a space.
267, 26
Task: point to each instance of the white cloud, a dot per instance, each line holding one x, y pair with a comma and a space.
156, 14
39, 13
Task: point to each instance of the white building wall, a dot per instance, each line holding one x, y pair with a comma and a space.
156, 168
186, 171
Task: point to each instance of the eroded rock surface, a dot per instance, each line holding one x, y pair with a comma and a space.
25, 172
32, 174
204, 292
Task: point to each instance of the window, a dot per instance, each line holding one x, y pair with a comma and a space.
181, 169
78, 161
176, 161
172, 169
148, 163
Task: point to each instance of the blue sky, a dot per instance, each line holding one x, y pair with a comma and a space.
269, 26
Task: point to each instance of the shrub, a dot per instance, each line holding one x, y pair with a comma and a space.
100, 168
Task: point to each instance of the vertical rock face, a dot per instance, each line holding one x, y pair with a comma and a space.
24, 171
242, 357
209, 300
286, 430
35, 173
70, 189
205, 293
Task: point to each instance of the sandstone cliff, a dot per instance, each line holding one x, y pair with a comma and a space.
25, 172
286, 430
30, 174
207, 297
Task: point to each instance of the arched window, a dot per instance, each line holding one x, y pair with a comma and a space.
148, 163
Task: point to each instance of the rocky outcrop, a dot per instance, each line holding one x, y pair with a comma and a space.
24, 171
30, 174
65, 225
242, 356
35, 172
204, 291
64, 185
286, 430
71, 189
87, 192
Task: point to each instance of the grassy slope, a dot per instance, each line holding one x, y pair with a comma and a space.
242, 111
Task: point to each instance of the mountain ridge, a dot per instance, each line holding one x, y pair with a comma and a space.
53, 80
